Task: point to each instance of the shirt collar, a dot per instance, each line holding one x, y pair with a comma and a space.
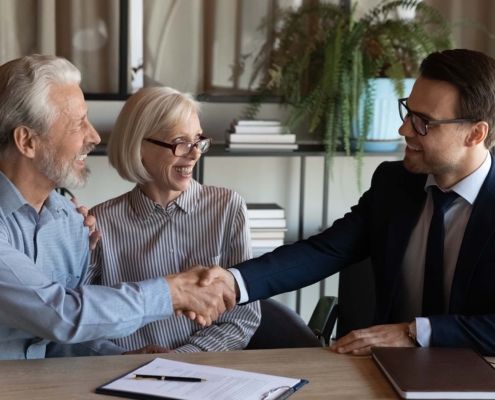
470, 186
11, 199
187, 200
143, 206
56, 205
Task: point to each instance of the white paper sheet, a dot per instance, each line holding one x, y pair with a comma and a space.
221, 384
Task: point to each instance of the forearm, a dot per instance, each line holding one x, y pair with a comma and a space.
476, 331
232, 331
32, 303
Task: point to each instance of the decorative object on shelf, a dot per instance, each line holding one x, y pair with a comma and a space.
383, 132
268, 226
324, 63
259, 135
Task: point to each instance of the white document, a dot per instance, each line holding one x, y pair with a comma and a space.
221, 384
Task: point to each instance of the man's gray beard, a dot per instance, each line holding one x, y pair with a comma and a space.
64, 175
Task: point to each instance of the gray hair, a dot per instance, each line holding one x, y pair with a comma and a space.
25, 84
147, 111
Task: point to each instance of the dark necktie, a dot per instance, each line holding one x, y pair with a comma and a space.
433, 298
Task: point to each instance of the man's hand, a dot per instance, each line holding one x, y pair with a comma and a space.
360, 342
150, 349
218, 273
204, 304
90, 222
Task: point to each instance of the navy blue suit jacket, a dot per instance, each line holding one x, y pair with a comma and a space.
380, 226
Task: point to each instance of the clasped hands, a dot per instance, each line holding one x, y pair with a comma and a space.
202, 294
357, 342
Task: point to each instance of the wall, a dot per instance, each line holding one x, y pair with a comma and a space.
262, 179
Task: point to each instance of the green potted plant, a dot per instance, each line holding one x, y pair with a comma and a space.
327, 65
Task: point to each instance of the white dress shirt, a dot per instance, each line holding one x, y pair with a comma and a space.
410, 289
456, 218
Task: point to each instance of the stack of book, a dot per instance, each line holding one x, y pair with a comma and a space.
260, 135
268, 226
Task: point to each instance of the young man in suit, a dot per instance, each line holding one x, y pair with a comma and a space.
427, 222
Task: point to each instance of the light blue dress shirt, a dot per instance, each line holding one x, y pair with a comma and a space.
43, 259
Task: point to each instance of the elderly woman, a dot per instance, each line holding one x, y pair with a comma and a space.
169, 222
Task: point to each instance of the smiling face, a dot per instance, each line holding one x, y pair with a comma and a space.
70, 138
171, 175
442, 151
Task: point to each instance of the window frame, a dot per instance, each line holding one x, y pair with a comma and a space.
124, 71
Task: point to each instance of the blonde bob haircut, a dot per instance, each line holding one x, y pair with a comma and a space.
150, 110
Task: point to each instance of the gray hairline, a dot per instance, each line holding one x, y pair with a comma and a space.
36, 75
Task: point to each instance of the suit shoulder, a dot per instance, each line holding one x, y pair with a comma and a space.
391, 167
389, 170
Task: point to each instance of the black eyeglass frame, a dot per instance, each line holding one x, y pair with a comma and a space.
173, 147
426, 121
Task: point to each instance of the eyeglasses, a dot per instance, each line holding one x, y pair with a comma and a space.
184, 148
420, 124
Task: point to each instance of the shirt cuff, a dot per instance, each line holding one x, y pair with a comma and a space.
244, 297
423, 331
157, 299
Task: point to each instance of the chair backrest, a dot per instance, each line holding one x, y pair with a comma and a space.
281, 328
356, 298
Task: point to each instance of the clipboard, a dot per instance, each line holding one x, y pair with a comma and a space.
141, 389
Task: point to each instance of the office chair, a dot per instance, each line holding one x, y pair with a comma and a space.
353, 309
281, 328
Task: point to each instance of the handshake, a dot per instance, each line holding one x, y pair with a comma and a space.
202, 294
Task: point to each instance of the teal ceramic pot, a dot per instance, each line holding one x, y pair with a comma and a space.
383, 135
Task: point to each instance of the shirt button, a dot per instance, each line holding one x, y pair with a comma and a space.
69, 279
171, 250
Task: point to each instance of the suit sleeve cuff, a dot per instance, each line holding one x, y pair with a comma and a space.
423, 331
244, 297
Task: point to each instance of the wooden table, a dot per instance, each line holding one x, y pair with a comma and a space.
330, 375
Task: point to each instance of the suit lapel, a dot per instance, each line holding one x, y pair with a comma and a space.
409, 201
479, 229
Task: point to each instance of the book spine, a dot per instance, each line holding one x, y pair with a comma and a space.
259, 129
262, 146
242, 138
257, 122
267, 223
266, 214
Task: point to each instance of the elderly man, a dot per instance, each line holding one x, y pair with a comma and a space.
45, 136
427, 222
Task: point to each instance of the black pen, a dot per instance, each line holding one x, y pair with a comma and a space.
168, 378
